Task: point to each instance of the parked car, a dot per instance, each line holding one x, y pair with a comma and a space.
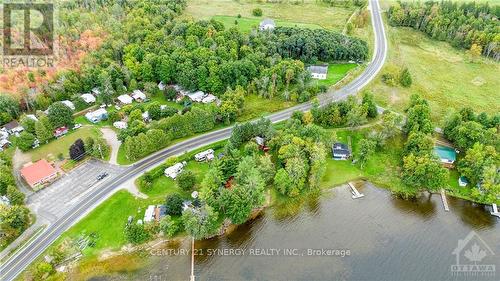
77, 126
102, 175
103, 105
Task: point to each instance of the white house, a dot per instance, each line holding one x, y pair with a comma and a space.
318, 71
120, 125
68, 104
197, 96
149, 215
125, 99
175, 170
207, 155
96, 116
88, 98
267, 25
138, 96
3, 134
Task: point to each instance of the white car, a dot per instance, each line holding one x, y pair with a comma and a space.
77, 126
102, 106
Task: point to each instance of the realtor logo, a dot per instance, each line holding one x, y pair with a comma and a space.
470, 253
28, 29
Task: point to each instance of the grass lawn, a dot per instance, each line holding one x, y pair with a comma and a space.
336, 72
61, 145
256, 107
248, 24
382, 168
443, 75
107, 220
310, 12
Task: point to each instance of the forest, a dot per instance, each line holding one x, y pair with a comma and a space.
470, 26
145, 43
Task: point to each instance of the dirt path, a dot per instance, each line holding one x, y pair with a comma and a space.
112, 140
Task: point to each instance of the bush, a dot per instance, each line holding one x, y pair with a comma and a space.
136, 233
257, 12
405, 78
186, 180
173, 204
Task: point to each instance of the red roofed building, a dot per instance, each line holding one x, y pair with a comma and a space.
38, 173
61, 131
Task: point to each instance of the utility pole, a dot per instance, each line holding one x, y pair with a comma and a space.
100, 151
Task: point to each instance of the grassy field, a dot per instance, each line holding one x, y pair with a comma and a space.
248, 24
384, 175
443, 75
255, 107
107, 220
51, 150
310, 12
335, 73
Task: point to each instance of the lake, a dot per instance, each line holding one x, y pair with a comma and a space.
333, 237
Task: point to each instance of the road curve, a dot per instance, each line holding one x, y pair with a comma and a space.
27, 254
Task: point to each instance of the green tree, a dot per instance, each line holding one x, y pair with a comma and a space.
169, 226
136, 233
369, 103
25, 141
60, 115
366, 149
391, 124
186, 180
28, 124
15, 196
423, 172
405, 78
173, 204
201, 222
477, 159
135, 115
43, 132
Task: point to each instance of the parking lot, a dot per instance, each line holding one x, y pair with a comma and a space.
52, 202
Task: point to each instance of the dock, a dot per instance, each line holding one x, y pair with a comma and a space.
355, 193
495, 210
445, 202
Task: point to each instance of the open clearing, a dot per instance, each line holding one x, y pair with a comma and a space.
51, 150
309, 12
443, 75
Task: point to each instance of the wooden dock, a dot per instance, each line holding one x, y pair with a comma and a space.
355, 193
445, 202
495, 211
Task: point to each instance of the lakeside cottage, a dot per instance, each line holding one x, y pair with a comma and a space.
267, 25
318, 71
340, 151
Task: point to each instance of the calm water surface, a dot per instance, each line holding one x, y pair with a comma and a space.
387, 239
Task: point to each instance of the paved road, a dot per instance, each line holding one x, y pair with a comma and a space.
18, 262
